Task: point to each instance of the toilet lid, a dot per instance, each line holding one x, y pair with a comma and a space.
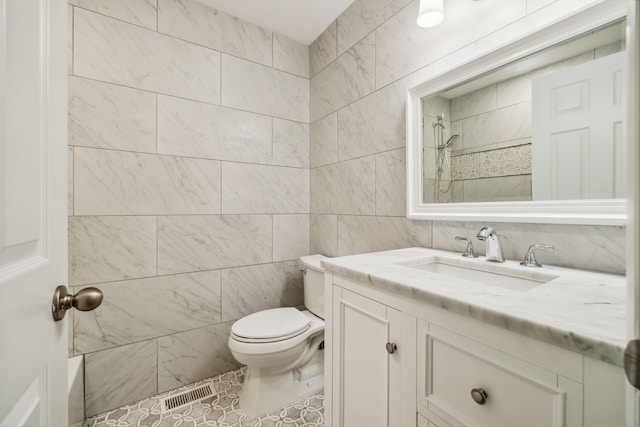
271, 324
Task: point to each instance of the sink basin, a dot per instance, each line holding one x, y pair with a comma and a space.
492, 274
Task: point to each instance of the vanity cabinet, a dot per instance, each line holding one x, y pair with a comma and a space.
442, 369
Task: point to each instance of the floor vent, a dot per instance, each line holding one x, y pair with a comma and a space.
171, 403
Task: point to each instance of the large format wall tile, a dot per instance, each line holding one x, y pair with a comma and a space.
139, 12
477, 102
253, 87
290, 237
499, 189
391, 177
116, 52
355, 236
362, 17
70, 181
290, 55
193, 21
324, 235
187, 357
506, 124
120, 183
196, 129
259, 189
323, 50
246, 290
197, 242
290, 143
108, 248
344, 188
324, 141
598, 248
402, 47
102, 115
119, 376
137, 310
373, 124
345, 80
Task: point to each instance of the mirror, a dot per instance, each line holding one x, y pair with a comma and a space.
537, 138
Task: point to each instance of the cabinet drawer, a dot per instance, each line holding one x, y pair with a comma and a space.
514, 397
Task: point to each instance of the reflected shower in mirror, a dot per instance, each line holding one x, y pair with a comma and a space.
546, 127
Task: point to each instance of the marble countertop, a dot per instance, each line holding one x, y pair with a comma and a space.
578, 310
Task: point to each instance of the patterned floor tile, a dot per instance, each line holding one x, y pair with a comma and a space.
220, 411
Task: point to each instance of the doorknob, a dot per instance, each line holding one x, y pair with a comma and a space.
85, 300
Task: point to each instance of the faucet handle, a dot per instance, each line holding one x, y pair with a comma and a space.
530, 256
469, 252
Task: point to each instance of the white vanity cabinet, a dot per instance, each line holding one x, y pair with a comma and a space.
440, 357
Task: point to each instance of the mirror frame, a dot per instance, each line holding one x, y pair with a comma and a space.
588, 212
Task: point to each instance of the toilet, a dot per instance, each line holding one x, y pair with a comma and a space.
283, 348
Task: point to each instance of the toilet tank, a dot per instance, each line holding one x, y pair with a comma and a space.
314, 284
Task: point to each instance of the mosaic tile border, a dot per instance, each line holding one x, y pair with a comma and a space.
219, 411
507, 161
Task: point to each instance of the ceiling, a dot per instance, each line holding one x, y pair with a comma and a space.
301, 20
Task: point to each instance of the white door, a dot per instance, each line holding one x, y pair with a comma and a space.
33, 209
578, 136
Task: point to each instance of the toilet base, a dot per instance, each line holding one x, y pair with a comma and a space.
264, 390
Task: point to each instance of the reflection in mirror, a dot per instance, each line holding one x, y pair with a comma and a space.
546, 127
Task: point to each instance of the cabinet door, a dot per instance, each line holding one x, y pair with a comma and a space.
366, 376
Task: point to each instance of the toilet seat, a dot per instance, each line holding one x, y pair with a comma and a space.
273, 325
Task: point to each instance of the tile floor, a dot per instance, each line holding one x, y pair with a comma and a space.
220, 411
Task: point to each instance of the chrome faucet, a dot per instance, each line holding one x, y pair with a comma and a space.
493, 248
530, 257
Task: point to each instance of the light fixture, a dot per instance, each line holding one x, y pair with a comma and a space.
431, 13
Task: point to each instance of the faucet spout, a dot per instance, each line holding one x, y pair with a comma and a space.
493, 247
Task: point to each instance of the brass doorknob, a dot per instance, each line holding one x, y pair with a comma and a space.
479, 396
86, 300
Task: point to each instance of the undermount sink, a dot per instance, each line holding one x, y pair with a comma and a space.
492, 274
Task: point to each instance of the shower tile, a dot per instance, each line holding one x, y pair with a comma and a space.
246, 290
574, 247
116, 52
344, 188
253, 87
324, 235
500, 189
191, 356
402, 47
69, 39
391, 172
324, 141
193, 21
474, 103
290, 237
70, 181
139, 12
362, 17
258, 189
355, 236
323, 51
373, 124
108, 248
196, 129
290, 143
207, 242
347, 79
119, 376
102, 115
290, 56
122, 183
179, 303
505, 124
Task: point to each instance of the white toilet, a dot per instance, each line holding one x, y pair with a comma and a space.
283, 348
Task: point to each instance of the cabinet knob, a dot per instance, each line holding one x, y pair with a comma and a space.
479, 396
391, 347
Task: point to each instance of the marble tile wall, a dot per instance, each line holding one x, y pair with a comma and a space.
358, 122
189, 187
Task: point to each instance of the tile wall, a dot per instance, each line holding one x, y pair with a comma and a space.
361, 68
189, 187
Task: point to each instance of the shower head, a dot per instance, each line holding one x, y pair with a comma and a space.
449, 142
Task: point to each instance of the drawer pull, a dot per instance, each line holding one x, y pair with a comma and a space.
479, 396
391, 347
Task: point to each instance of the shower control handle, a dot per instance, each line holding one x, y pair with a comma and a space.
86, 299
